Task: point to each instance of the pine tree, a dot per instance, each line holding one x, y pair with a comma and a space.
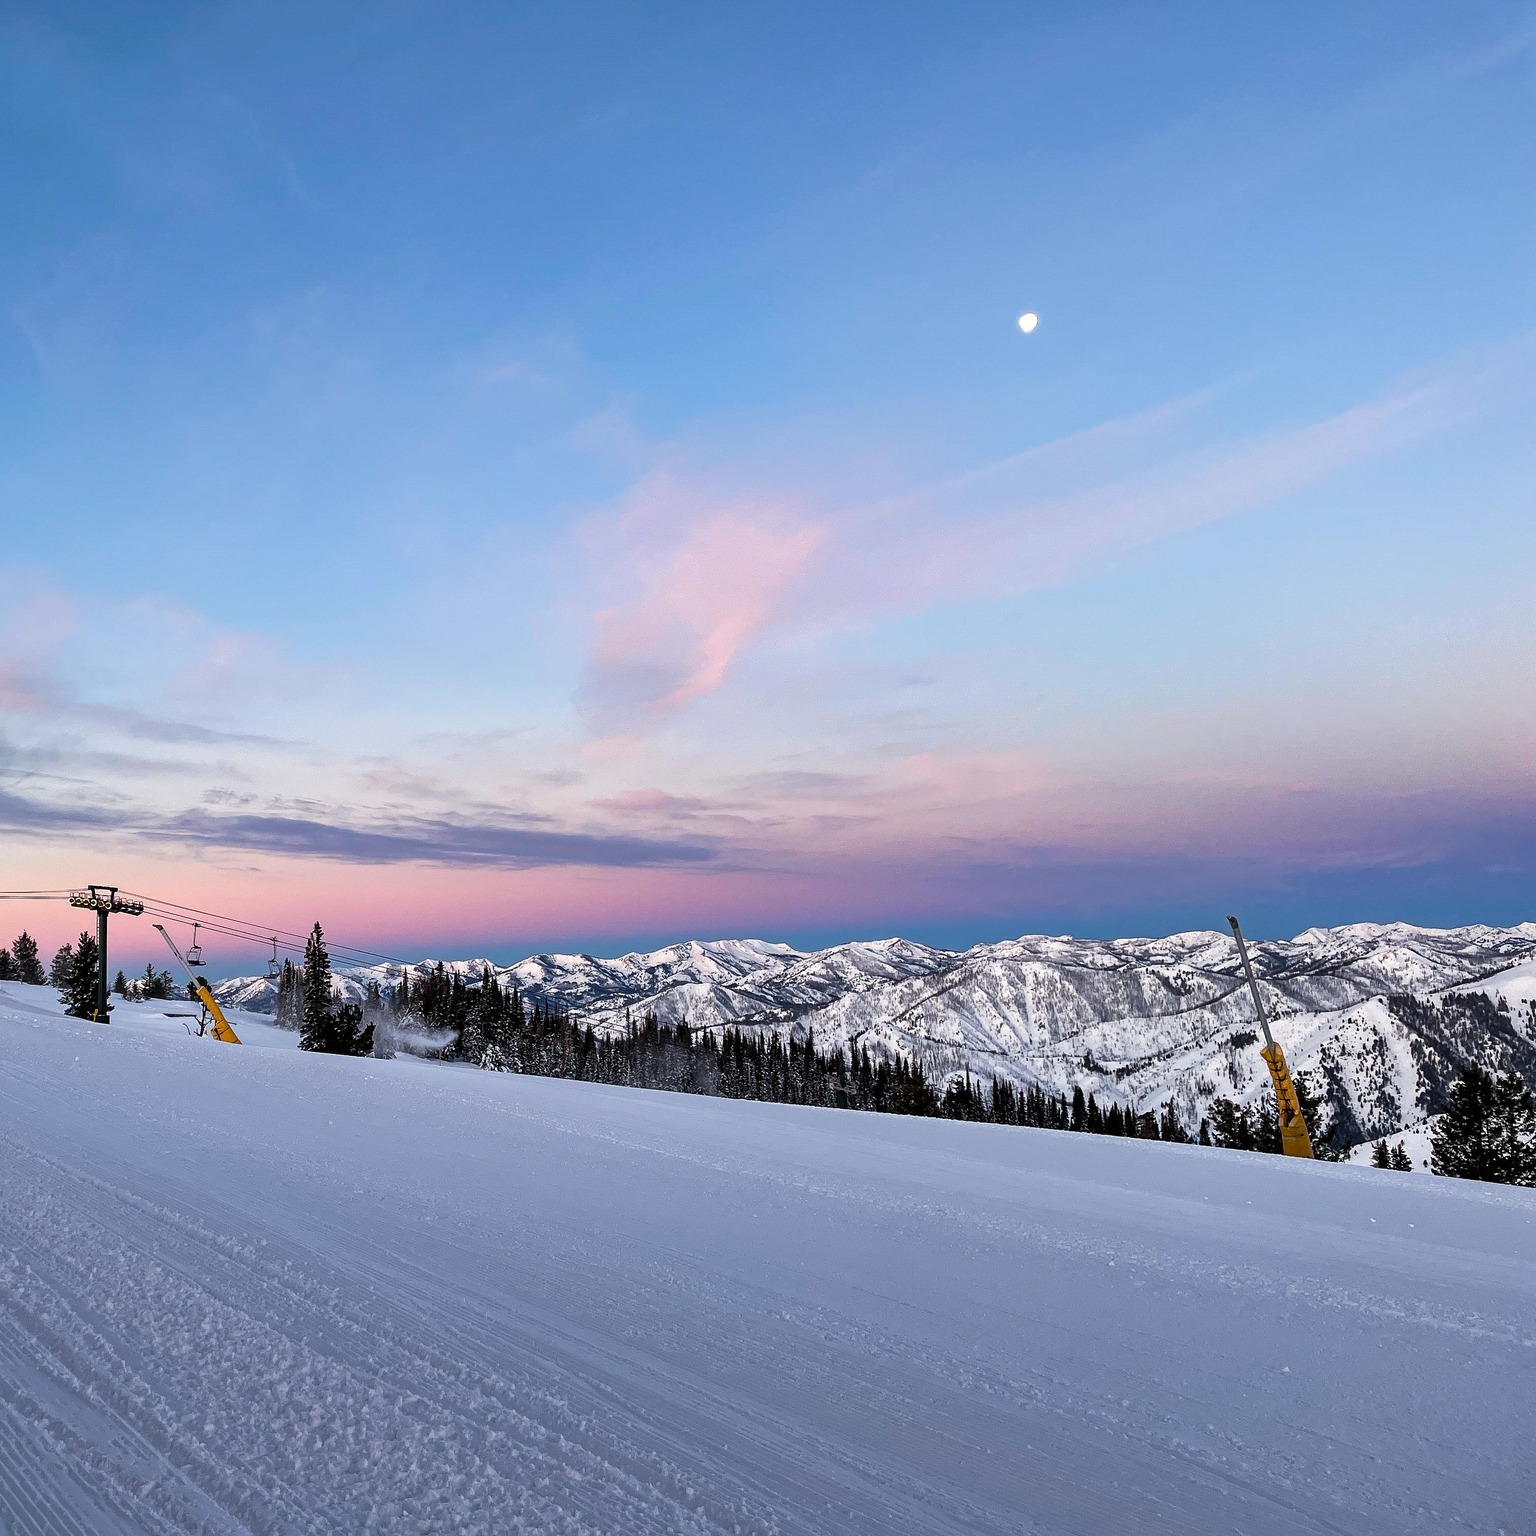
349, 1035
290, 997
78, 993
336, 1028
1079, 1109
315, 1017
1230, 1126
63, 964
120, 984
1266, 1126
28, 967
1322, 1120
1488, 1130
156, 985
1400, 1162
1381, 1157
7, 966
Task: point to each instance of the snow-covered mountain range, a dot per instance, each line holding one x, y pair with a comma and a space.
1383, 1015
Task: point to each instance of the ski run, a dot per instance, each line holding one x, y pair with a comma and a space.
249, 1289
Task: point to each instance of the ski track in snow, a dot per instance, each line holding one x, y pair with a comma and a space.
249, 1290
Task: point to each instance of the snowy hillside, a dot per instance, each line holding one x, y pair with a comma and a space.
252, 1290
1144, 1022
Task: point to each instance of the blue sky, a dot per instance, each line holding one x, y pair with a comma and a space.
527, 477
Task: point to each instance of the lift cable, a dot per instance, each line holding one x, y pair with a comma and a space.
230, 932
223, 923
244, 928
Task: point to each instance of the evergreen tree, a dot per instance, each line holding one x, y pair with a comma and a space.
158, 986
1400, 1161
7, 966
1329, 1144
120, 984
1488, 1130
1231, 1126
1079, 1110
290, 997
63, 964
349, 1035
336, 1028
78, 992
1381, 1157
1266, 1126
1204, 1138
315, 1018
28, 967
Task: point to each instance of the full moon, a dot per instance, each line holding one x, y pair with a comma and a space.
1028, 322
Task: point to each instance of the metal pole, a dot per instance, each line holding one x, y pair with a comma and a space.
101, 973
1253, 986
93, 900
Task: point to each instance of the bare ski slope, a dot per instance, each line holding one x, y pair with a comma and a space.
253, 1290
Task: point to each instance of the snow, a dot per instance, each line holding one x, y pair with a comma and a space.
1516, 985
248, 1289
1414, 1139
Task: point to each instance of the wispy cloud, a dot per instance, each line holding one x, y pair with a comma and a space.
704, 575
422, 840
26, 814
401, 840
1010, 528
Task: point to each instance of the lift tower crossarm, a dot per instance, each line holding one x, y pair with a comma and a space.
221, 1029
1294, 1140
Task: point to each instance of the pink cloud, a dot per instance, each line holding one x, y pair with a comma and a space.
705, 577
651, 802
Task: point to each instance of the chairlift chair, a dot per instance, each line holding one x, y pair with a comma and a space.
194, 949
272, 963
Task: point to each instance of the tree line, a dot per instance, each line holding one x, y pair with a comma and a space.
73, 971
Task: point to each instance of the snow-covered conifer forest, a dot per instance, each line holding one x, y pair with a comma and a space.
1377, 1020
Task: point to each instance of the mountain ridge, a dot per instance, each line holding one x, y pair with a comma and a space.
1146, 1022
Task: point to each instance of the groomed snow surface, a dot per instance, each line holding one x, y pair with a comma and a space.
248, 1289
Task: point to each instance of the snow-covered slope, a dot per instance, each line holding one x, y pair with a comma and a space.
251, 1290
1145, 1022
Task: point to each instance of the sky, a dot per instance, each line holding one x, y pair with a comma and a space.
495, 478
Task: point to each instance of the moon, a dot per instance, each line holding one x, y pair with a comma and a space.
1028, 322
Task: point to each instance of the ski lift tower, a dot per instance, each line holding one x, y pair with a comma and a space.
102, 899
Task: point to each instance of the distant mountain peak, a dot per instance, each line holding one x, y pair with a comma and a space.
1143, 1021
